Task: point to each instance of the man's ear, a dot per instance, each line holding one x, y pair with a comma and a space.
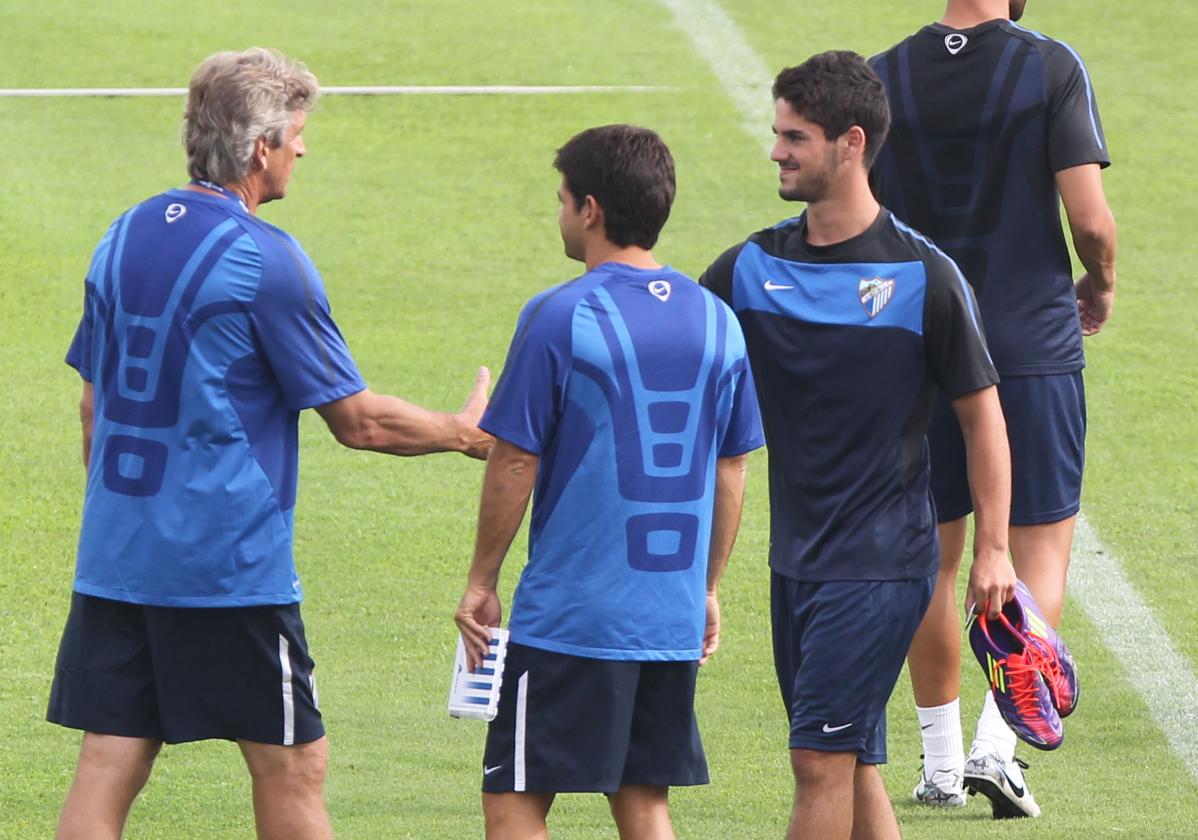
854, 143
592, 212
261, 145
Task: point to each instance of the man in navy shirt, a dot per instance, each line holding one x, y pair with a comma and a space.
626, 408
993, 124
853, 321
205, 332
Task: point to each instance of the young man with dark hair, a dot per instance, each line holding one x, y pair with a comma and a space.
995, 125
627, 403
852, 321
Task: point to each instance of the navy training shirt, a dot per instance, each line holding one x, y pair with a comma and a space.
848, 343
982, 120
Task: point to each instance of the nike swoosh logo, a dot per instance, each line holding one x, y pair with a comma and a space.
1018, 791
487, 771
928, 726
831, 729
771, 286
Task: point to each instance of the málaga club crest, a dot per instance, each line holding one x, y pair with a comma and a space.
875, 293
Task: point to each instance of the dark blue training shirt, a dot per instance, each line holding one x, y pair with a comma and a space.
205, 331
629, 384
983, 119
848, 343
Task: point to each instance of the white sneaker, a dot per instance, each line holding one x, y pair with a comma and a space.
942, 790
1002, 783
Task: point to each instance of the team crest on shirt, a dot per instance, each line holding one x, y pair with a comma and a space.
174, 213
875, 293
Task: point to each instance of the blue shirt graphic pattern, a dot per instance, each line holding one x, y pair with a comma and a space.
205, 331
628, 384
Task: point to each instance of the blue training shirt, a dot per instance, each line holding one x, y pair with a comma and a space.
628, 384
205, 331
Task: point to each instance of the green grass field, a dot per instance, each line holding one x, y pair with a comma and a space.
432, 219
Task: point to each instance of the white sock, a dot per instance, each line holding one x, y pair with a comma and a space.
940, 727
993, 734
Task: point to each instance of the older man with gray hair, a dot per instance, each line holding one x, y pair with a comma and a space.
205, 331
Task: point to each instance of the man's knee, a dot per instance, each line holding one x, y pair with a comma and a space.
127, 759
816, 768
299, 765
516, 815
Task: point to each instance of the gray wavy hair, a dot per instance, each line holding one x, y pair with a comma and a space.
233, 99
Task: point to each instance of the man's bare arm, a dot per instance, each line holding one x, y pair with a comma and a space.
991, 576
1092, 225
380, 423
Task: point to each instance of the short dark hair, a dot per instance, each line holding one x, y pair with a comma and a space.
630, 173
837, 90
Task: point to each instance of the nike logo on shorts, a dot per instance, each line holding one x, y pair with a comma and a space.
487, 771
830, 729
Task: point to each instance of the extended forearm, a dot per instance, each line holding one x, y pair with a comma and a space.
397, 427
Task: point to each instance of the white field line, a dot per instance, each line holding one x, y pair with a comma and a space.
737, 66
367, 90
1155, 668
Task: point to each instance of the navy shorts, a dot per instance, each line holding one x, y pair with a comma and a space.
839, 647
572, 724
1046, 427
185, 674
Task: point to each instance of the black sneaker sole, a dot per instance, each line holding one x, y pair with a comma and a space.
1000, 806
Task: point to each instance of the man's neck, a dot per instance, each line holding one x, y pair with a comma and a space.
966, 14
842, 217
246, 190
602, 252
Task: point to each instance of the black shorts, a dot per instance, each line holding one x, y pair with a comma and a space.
185, 674
1046, 427
839, 647
571, 724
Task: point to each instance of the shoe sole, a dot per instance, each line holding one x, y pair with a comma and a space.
1001, 806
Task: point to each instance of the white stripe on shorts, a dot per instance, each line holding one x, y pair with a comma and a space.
521, 715
288, 699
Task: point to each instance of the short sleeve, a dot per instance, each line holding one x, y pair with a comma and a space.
294, 325
955, 344
743, 432
79, 354
1075, 133
718, 276
526, 404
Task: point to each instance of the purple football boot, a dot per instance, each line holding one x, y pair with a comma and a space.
1060, 673
1013, 668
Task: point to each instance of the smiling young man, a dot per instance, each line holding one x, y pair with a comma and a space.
205, 332
853, 320
627, 403
995, 127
